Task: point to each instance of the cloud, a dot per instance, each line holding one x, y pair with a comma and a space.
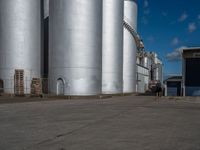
192, 27
176, 55
146, 3
175, 41
146, 12
183, 17
199, 16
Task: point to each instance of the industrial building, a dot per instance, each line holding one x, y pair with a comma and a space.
190, 71
149, 70
174, 86
76, 48
187, 84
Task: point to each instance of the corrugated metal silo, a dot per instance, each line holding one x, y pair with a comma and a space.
130, 48
20, 41
46, 8
75, 47
112, 61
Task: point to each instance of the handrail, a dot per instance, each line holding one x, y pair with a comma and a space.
139, 42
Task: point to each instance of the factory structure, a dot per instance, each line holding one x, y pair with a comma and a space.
187, 84
73, 47
149, 71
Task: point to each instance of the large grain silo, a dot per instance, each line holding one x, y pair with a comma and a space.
75, 47
46, 8
112, 61
130, 48
20, 44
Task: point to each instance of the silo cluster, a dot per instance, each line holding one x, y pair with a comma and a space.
81, 46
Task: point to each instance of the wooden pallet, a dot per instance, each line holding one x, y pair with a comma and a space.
36, 87
19, 82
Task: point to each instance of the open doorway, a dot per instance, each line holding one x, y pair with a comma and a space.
60, 87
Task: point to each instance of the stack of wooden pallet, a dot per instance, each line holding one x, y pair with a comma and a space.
19, 83
36, 87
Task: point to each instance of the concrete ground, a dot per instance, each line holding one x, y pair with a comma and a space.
120, 123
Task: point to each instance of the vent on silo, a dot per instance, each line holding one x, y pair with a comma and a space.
19, 82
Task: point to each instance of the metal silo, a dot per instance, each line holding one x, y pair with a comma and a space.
130, 47
75, 47
46, 8
20, 41
112, 61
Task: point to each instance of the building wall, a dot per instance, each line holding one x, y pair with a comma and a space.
142, 79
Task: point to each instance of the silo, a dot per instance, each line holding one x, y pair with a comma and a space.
75, 65
20, 41
46, 8
130, 48
112, 58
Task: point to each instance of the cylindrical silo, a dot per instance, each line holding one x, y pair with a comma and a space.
46, 8
75, 66
112, 57
130, 48
20, 41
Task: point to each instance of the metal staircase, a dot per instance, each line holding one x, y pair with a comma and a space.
135, 35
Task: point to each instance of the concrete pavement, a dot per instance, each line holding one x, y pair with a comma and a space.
119, 123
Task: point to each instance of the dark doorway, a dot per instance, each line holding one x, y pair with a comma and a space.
174, 88
1, 86
60, 87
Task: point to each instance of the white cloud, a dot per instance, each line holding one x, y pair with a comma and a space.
192, 27
176, 55
183, 17
175, 41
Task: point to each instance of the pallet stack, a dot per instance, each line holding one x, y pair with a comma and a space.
19, 82
36, 87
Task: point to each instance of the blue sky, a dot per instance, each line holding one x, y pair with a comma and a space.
166, 26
